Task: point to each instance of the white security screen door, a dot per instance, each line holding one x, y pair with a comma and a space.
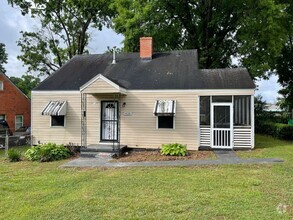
109, 121
222, 121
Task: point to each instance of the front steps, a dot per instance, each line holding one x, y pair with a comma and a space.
102, 151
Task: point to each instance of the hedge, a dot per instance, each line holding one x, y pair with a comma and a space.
281, 131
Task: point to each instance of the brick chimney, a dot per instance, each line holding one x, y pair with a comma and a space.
146, 48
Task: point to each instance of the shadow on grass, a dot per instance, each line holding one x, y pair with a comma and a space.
266, 141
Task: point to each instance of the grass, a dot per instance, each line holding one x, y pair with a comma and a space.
32, 190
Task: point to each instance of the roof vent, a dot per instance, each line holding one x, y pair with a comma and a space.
114, 55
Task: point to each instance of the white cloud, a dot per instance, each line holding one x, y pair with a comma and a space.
268, 89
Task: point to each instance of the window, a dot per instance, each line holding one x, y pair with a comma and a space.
18, 121
1, 85
205, 107
58, 121
242, 110
166, 122
2, 117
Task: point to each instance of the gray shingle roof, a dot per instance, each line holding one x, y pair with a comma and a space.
168, 70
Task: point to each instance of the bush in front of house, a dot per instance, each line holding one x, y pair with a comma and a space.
174, 149
281, 131
74, 149
13, 155
47, 152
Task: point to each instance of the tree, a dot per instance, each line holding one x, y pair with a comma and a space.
64, 30
3, 57
26, 83
284, 62
219, 29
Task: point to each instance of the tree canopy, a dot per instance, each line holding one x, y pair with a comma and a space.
26, 83
219, 29
3, 57
64, 30
284, 62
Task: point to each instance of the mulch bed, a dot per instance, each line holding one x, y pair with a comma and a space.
139, 156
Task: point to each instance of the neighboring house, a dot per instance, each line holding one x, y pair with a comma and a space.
274, 108
15, 107
143, 100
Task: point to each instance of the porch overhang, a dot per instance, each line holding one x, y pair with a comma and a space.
102, 85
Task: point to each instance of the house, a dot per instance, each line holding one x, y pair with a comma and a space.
143, 100
15, 106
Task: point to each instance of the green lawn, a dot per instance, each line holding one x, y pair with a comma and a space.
31, 190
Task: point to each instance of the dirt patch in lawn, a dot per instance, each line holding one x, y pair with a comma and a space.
139, 156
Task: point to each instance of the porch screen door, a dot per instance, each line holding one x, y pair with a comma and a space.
222, 125
109, 121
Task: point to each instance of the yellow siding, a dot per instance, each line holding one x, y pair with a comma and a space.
140, 129
100, 86
138, 125
41, 125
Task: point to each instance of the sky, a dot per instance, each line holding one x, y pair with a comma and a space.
12, 22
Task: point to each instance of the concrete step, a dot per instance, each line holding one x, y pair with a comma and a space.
104, 148
101, 155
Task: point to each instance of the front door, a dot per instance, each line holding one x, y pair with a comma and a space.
221, 115
109, 121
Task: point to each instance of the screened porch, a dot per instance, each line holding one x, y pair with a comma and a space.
226, 122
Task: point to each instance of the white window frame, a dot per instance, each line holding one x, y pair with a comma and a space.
157, 124
17, 122
3, 115
1, 85
56, 126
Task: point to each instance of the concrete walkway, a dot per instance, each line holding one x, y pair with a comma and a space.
223, 157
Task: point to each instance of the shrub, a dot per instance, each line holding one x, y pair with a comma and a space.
14, 155
281, 131
174, 149
73, 149
47, 152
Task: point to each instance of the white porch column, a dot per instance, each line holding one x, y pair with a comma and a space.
252, 121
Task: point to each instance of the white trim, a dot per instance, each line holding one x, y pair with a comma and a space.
106, 80
198, 118
4, 116
1, 85
157, 124
231, 124
56, 92
57, 126
252, 121
199, 91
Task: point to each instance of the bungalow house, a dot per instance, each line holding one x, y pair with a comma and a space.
15, 106
143, 100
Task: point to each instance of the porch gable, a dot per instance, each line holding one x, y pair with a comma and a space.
100, 84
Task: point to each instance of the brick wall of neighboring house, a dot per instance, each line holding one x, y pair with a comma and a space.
13, 102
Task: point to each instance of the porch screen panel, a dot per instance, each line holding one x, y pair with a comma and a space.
109, 121
205, 109
242, 110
